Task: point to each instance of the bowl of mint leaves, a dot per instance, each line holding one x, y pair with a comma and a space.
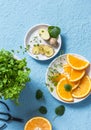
14, 74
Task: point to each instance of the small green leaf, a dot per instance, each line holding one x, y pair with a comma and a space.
47, 84
34, 45
43, 110
37, 57
55, 84
51, 89
67, 87
12, 51
27, 47
37, 44
39, 94
54, 31
20, 47
24, 52
60, 110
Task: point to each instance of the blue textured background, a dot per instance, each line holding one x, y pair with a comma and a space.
74, 18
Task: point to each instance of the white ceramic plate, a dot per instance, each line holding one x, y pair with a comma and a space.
57, 65
33, 37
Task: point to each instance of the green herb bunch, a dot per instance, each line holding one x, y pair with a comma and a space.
14, 74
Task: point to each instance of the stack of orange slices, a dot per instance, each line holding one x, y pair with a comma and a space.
74, 75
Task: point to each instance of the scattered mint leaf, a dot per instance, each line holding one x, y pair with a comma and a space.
54, 31
20, 47
27, 47
47, 84
60, 110
51, 89
67, 87
55, 83
37, 44
43, 110
23, 52
39, 94
40, 41
37, 57
12, 51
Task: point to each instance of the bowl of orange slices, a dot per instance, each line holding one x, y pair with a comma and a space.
68, 78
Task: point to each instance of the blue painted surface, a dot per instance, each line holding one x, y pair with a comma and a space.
74, 18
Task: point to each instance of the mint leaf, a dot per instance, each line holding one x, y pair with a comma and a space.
39, 94
60, 110
54, 31
43, 110
21, 47
67, 87
27, 47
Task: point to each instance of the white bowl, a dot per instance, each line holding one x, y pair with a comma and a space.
61, 60
31, 33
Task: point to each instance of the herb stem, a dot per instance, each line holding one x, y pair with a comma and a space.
55, 117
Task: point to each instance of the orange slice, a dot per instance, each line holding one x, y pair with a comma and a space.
58, 77
73, 84
76, 75
83, 89
38, 123
76, 63
62, 93
67, 69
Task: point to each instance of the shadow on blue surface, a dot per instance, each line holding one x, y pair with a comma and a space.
82, 104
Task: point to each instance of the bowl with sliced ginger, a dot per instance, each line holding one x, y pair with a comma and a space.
43, 41
68, 78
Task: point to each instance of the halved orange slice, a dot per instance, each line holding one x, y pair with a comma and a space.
57, 77
76, 75
38, 123
73, 84
77, 63
83, 89
67, 69
62, 93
